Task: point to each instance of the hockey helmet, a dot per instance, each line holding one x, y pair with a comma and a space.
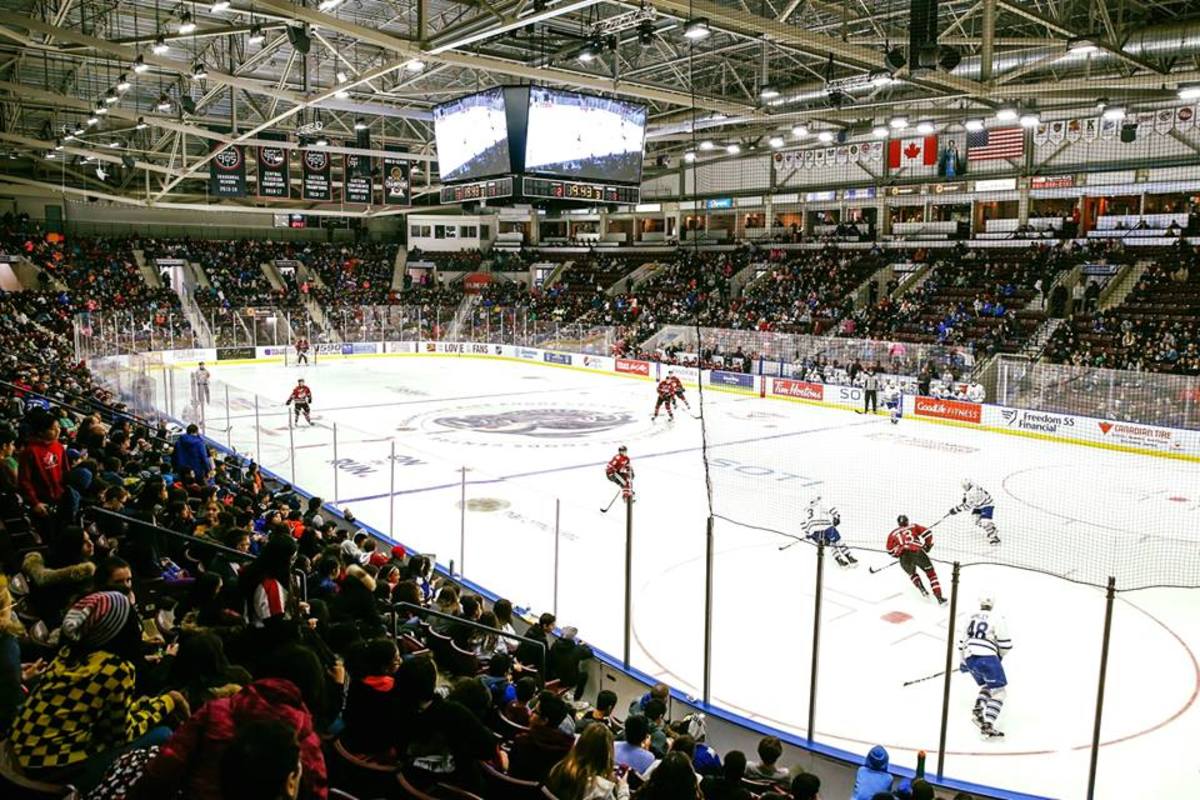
902, 520
967, 483
299, 381
622, 449
986, 601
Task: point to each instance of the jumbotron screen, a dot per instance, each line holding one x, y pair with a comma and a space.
583, 136
472, 136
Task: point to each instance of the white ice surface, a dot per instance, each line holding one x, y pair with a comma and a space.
1057, 506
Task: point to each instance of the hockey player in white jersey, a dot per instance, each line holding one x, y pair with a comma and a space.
981, 648
820, 525
977, 501
893, 401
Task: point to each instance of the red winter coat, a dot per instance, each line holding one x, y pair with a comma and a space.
190, 761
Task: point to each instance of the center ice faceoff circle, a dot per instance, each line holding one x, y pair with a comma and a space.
533, 424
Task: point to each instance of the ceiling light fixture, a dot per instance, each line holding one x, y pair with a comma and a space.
768, 92
141, 124
880, 131
110, 97
414, 65
123, 84
733, 149
776, 142
696, 29
689, 156
707, 145
220, 6
341, 94
114, 145
78, 129
321, 141
58, 146
186, 23
924, 127
140, 65
256, 35
588, 54
164, 103
898, 123
973, 125
199, 71
92, 120
1114, 112
825, 136
881, 79
328, 5
341, 76
1081, 47
800, 131
1190, 92
158, 48
1006, 113
100, 110
1030, 119
360, 124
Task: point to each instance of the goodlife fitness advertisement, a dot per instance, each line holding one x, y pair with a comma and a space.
953, 410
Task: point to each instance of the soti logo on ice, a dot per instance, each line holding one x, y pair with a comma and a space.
786, 387
557, 358
550, 423
1140, 435
633, 367
955, 410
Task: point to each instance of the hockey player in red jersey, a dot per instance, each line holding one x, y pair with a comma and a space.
666, 397
677, 389
620, 472
302, 350
301, 400
911, 545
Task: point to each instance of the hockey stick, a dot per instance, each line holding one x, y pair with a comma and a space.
610, 502
874, 570
796, 540
926, 678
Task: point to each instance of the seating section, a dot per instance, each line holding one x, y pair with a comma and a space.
1154, 329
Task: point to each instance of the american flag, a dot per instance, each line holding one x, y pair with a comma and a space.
995, 144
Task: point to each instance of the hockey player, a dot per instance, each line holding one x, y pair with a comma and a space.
820, 524
201, 378
893, 401
666, 397
911, 545
677, 389
620, 472
982, 647
302, 350
301, 397
977, 500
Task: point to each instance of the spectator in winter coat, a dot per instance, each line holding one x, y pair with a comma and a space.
372, 704
770, 750
190, 762
60, 576
191, 452
85, 705
544, 744
873, 777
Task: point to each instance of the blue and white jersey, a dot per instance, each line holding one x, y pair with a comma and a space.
891, 397
819, 520
986, 634
976, 499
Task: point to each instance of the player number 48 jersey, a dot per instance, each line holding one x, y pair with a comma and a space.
986, 634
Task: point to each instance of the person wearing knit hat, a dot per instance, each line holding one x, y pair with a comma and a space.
66, 731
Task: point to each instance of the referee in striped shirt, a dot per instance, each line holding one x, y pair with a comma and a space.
870, 391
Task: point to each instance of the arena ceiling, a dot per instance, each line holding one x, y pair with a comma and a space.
766, 66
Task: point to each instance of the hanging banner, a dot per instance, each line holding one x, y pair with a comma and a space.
227, 172
397, 185
274, 178
1185, 118
317, 183
356, 175
1091, 129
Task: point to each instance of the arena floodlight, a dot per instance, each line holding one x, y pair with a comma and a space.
776, 142
689, 156
880, 131
924, 127
1006, 113
696, 29
707, 145
1114, 112
973, 125
220, 6
360, 124
186, 23
414, 65
733, 149
898, 123
825, 136
800, 131
256, 35
158, 48
141, 124
768, 92
1189, 92
1030, 119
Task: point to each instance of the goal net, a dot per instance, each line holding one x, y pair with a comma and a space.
293, 358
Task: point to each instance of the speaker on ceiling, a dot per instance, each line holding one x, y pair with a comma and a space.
187, 104
922, 33
841, 136
299, 39
1129, 132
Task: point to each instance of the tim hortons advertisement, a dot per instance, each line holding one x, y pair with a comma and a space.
633, 367
786, 387
954, 410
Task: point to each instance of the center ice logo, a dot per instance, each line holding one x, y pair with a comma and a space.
546, 423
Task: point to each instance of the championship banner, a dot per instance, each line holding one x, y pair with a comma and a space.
357, 179
274, 178
318, 185
397, 185
227, 172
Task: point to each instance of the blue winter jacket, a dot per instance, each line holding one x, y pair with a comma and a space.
190, 451
872, 778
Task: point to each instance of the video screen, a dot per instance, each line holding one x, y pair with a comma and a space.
472, 136
582, 136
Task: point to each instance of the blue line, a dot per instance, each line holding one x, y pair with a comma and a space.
552, 470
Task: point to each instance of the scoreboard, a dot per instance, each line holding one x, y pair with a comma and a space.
578, 191
479, 190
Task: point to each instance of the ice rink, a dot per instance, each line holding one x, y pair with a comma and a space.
533, 441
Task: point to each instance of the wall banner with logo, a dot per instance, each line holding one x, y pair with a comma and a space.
397, 180
227, 172
318, 184
274, 177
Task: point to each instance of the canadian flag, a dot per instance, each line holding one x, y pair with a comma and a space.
911, 152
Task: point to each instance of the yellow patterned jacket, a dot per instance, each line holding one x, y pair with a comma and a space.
81, 708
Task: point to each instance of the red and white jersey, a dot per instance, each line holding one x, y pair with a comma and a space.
301, 394
619, 465
909, 539
302, 345
676, 384
666, 388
